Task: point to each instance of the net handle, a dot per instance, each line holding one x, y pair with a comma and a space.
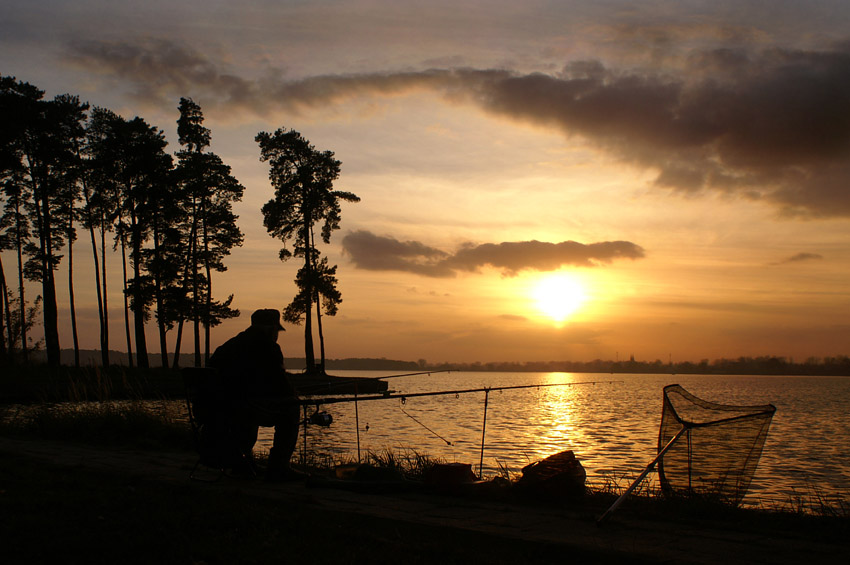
602, 519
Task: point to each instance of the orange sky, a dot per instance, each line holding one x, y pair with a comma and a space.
686, 166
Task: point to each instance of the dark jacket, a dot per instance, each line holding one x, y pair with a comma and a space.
251, 366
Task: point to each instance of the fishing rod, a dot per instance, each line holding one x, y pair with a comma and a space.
487, 389
348, 379
412, 374
341, 382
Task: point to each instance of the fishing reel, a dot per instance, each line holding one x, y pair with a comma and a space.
322, 419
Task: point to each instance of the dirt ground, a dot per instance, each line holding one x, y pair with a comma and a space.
627, 537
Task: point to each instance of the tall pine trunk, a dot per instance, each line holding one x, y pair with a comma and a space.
196, 320
70, 239
19, 244
321, 334
308, 315
126, 302
51, 319
208, 298
160, 306
138, 302
5, 319
104, 355
186, 272
319, 316
104, 334
177, 344
10, 337
48, 284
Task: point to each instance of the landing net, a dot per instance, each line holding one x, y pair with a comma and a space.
719, 450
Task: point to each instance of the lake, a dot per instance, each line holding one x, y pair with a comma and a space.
610, 421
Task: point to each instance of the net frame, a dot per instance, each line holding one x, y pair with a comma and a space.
718, 445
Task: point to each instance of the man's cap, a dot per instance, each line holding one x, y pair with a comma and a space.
267, 317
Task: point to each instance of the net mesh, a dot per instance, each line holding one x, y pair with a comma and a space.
719, 450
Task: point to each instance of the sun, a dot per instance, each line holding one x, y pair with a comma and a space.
558, 296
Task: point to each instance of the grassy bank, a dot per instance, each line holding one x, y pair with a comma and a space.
81, 505
155, 426
77, 515
41, 383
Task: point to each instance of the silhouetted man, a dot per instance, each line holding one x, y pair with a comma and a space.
259, 394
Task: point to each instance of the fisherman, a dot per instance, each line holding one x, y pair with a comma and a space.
258, 392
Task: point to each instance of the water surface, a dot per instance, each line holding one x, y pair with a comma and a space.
609, 421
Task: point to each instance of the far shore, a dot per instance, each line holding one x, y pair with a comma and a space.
838, 365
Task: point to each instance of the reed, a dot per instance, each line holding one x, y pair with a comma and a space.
409, 462
812, 501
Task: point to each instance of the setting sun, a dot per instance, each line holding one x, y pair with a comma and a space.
558, 296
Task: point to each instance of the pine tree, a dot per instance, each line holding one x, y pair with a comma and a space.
40, 138
209, 192
303, 180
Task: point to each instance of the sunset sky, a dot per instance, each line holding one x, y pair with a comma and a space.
684, 167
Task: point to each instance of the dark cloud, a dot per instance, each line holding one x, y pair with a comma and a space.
514, 256
799, 257
771, 125
159, 69
382, 253
376, 253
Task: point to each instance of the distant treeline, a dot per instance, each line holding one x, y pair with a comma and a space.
839, 366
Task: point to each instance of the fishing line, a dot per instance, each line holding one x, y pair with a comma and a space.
457, 392
401, 407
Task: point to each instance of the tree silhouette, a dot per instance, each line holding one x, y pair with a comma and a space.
209, 191
39, 144
17, 102
70, 213
322, 284
61, 169
134, 164
16, 234
303, 180
5, 316
100, 195
16, 99
164, 260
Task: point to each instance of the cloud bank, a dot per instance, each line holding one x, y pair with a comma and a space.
383, 253
770, 125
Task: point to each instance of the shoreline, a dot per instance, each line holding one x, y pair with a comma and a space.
437, 524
